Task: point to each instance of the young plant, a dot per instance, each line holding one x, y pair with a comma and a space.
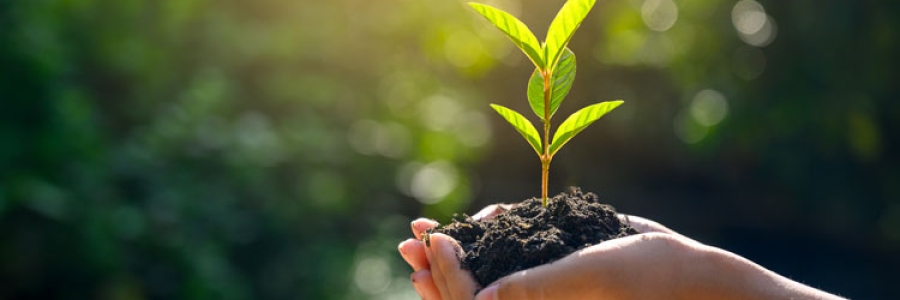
550, 83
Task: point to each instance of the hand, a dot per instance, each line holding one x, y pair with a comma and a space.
656, 264
433, 266
436, 271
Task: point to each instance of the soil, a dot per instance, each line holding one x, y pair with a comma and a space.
529, 235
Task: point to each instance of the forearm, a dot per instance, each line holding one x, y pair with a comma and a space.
725, 275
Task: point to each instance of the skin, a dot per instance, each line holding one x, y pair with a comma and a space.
656, 264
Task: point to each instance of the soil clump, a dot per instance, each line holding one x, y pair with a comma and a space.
529, 235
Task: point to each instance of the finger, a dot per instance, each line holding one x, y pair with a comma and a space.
491, 211
420, 225
644, 224
424, 285
437, 274
413, 252
458, 282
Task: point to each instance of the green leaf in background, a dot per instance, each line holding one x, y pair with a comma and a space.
515, 30
563, 27
561, 83
579, 121
522, 125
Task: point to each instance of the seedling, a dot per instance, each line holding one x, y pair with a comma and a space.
550, 83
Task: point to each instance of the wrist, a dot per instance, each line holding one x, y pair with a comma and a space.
724, 275
719, 274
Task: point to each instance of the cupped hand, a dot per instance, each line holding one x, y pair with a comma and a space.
437, 274
656, 264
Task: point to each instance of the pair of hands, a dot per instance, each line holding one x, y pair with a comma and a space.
656, 264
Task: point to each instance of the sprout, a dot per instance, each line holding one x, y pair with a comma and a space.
550, 83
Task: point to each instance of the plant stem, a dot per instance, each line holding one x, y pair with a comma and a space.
545, 172
545, 158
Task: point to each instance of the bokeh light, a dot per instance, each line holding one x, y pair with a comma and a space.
748, 16
659, 15
709, 107
752, 23
432, 182
688, 129
372, 275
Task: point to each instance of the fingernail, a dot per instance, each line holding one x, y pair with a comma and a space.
419, 228
414, 227
489, 293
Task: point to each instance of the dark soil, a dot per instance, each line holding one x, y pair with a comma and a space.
530, 235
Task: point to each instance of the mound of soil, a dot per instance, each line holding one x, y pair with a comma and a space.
530, 235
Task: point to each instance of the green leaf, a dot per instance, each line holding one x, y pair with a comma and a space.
561, 83
579, 121
536, 94
563, 27
515, 30
522, 125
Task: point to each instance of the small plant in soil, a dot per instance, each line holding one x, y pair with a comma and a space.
550, 82
539, 231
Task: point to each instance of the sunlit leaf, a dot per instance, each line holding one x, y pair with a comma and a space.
563, 27
579, 121
561, 83
522, 125
536, 94
515, 30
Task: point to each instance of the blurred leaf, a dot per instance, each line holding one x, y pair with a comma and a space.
561, 83
563, 27
579, 121
514, 29
522, 125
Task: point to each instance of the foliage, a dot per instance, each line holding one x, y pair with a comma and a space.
551, 80
200, 149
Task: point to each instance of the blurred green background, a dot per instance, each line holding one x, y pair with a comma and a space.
241, 149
